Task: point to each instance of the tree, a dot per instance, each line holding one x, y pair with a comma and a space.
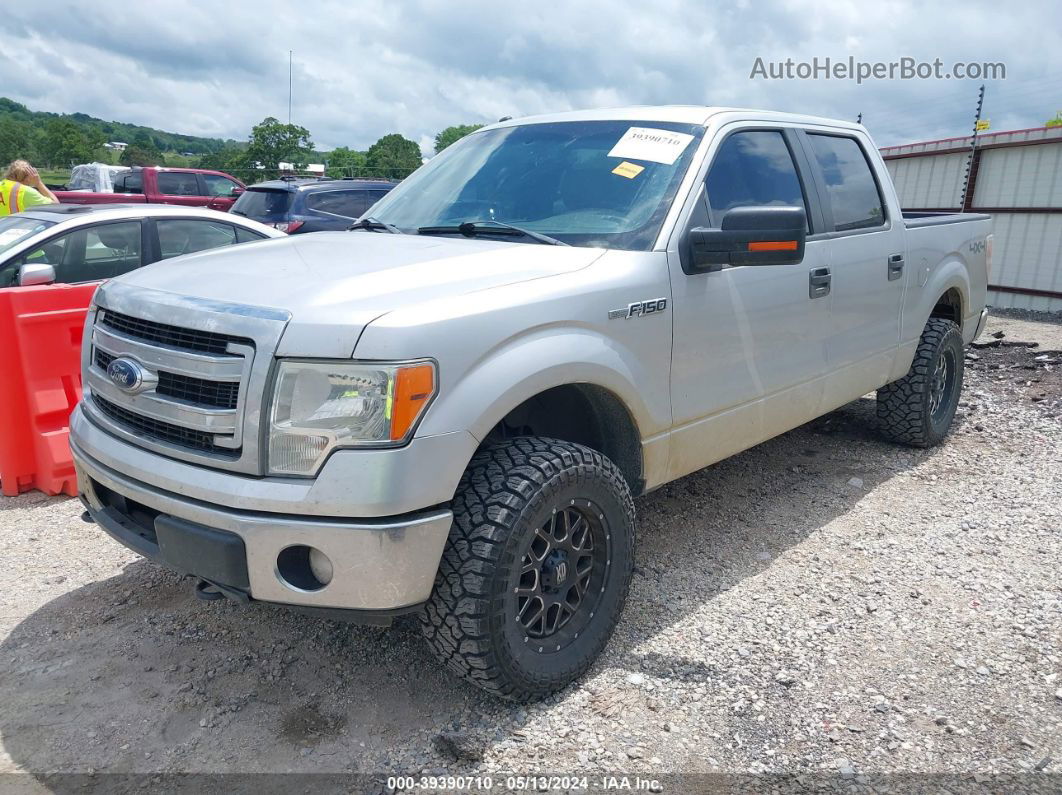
232, 160
393, 157
16, 141
135, 155
453, 134
273, 143
345, 162
64, 142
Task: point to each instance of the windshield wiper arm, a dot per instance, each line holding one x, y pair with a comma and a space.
473, 228
373, 224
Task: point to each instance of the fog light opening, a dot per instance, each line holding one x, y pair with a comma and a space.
304, 568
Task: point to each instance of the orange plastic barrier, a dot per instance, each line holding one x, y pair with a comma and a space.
40, 383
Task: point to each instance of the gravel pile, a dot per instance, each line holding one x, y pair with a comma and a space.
824, 604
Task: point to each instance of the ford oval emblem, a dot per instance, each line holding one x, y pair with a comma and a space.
126, 374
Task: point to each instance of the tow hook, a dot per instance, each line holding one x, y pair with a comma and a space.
212, 592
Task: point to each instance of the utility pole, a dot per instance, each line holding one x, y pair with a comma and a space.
289, 86
971, 158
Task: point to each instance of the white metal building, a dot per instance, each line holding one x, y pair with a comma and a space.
1017, 178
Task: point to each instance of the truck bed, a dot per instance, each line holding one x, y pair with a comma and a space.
913, 220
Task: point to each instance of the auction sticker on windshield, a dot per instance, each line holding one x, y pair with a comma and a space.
647, 143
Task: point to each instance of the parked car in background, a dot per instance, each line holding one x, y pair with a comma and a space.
77, 243
190, 187
296, 205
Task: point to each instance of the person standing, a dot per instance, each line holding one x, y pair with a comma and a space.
22, 188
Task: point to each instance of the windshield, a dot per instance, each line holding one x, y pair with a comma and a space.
14, 229
264, 204
586, 183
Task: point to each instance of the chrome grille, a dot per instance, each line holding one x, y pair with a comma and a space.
186, 393
198, 391
157, 429
172, 336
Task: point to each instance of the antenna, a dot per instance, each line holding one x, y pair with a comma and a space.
289, 86
859, 118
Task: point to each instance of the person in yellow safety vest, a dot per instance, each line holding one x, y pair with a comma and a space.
22, 188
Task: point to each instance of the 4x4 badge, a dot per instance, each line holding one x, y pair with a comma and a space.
639, 309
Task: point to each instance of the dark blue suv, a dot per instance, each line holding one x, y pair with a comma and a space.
305, 204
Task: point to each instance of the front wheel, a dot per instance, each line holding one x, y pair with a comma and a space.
918, 409
536, 569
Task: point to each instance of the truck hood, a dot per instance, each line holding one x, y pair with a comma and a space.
335, 283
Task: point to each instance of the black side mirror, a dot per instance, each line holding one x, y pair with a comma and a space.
749, 236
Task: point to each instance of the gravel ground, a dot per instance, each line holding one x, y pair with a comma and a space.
825, 603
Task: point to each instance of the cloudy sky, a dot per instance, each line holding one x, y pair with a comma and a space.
362, 70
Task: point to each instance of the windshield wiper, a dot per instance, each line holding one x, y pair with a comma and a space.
374, 224
473, 228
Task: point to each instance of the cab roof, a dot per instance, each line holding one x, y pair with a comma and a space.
686, 114
304, 183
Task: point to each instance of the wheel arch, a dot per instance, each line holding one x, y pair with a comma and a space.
583, 413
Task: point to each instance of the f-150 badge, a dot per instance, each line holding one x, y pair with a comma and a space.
639, 309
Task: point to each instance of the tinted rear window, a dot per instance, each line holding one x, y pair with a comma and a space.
348, 203
264, 204
177, 183
850, 185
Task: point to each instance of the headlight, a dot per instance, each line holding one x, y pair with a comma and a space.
318, 406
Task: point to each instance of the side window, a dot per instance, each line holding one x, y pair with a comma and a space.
753, 168
86, 255
349, 203
850, 186
247, 236
219, 186
179, 236
375, 196
176, 183
129, 183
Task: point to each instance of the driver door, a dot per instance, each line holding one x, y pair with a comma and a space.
749, 352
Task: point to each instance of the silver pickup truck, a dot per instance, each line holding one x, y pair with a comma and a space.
449, 409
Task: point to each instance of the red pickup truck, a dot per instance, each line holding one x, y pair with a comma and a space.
192, 187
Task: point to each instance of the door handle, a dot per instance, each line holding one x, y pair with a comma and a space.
895, 267
818, 282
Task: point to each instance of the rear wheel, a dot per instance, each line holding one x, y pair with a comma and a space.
918, 409
536, 569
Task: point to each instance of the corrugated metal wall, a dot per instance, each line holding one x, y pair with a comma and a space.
1025, 176
1026, 254
932, 181
1016, 176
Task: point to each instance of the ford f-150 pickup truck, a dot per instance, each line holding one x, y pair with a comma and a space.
191, 187
450, 409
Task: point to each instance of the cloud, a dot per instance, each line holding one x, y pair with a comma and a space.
364, 70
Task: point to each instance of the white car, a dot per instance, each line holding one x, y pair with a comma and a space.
72, 243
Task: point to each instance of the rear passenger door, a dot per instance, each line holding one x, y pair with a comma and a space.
180, 187
866, 251
177, 236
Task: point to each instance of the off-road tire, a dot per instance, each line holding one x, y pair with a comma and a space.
505, 495
905, 407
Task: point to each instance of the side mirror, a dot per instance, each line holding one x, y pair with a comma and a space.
236, 193
749, 236
29, 275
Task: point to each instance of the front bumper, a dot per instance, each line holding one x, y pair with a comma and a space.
377, 564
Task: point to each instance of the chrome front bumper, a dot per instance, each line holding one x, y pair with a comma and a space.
377, 564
